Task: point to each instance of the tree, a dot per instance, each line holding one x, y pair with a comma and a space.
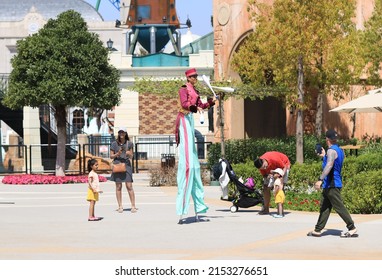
63, 65
372, 43
320, 32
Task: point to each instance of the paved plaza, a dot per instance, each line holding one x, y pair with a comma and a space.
49, 222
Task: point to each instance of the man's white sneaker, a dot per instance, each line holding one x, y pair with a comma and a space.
350, 233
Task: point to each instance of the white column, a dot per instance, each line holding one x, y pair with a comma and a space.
2, 151
31, 124
127, 113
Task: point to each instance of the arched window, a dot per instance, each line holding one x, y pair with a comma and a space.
78, 119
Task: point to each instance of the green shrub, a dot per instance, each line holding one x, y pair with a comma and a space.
366, 162
303, 176
246, 170
362, 192
243, 150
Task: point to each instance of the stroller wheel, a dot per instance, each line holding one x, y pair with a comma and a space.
233, 208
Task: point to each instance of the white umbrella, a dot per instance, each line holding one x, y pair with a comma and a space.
369, 103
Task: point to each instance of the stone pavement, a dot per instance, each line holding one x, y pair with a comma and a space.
49, 222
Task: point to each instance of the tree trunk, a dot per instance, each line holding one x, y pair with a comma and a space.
300, 117
353, 121
319, 113
97, 113
61, 139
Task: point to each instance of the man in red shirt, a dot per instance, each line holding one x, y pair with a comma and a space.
266, 163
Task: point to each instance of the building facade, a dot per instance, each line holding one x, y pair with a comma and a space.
142, 114
265, 118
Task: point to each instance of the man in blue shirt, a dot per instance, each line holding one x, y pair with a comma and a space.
330, 181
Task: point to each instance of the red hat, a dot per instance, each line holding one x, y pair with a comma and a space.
191, 72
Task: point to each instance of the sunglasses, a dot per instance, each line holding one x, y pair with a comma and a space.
193, 76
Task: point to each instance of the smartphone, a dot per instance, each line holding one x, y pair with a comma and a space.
318, 149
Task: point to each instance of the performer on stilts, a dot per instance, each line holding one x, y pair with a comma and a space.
188, 177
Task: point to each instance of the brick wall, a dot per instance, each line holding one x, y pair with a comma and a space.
157, 115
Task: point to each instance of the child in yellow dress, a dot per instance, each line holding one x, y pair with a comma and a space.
278, 191
93, 189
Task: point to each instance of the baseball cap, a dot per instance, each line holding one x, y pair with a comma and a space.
122, 129
331, 134
278, 171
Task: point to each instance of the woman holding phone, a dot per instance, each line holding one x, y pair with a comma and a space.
121, 150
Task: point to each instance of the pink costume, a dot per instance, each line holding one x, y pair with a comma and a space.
188, 176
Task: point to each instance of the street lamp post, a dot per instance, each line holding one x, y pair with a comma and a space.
221, 124
109, 44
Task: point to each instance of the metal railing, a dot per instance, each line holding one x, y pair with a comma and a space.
202, 148
4, 78
9, 155
48, 122
157, 145
99, 145
22, 159
48, 159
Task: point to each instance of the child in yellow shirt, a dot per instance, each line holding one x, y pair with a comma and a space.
278, 192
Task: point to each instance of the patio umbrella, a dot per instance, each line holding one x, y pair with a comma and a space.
369, 103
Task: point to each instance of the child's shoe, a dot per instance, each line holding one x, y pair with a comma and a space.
277, 216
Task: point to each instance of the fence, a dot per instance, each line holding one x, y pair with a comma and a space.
16, 159
153, 146
48, 159
99, 145
166, 158
13, 158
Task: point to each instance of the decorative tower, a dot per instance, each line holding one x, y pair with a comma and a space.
153, 24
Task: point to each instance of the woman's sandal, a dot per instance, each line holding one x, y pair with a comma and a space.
120, 210
94, 219
134, 210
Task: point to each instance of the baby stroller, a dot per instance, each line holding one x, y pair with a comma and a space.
245, 194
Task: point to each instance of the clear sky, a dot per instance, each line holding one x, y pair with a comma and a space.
198, 11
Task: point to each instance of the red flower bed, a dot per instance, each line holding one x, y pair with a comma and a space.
28, 179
